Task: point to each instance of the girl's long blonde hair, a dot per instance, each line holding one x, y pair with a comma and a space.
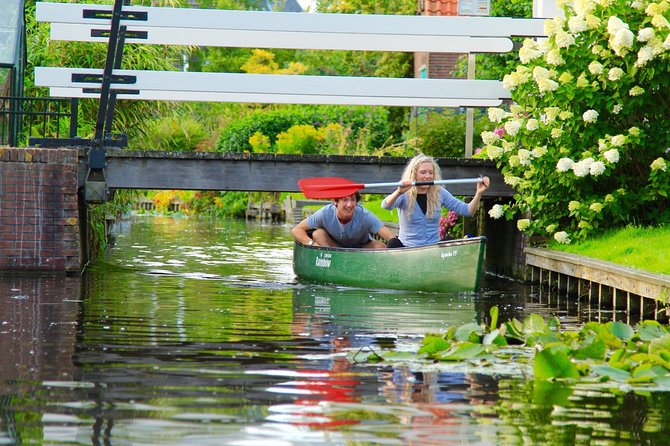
433, 194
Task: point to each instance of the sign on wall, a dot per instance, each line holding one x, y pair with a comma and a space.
474, 7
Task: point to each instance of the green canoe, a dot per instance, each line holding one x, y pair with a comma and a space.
450, 266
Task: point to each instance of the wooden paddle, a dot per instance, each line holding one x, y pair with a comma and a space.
334, 187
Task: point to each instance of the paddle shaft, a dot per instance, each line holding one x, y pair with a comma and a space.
425, 183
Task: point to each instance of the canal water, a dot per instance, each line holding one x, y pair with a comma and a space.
196, 332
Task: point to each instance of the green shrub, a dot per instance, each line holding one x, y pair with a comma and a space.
172, 134
444, 135
236, 136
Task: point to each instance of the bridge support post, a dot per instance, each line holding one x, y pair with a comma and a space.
39, 212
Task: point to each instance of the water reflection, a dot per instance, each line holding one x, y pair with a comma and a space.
195, 332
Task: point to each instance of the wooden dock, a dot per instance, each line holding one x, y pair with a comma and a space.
602, 284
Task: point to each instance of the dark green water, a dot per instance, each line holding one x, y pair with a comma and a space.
195, 332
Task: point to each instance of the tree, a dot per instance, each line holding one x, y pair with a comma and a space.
585, 144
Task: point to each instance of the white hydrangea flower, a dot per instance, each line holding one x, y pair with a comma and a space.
562, 237
622, 41
612, 155
550, 228
660, 22
539, 151
529, 51
545, 85
512, 127
496, 114
644, 55
659, 164
666, 43
617, 109
595, 68
574, 205
512, 180
523, 224
494, 152
564, 39
552, 26
590, 116
582, 168
496, 212
596, 207
556, 133
525, 157
597, 168
615, 74
636, 91
645, 34
554, 57
592, 22
564, 164
614, 24
489, 137
618, 140
577, 24
532, 124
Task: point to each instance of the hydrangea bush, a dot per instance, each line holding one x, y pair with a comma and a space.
585, 144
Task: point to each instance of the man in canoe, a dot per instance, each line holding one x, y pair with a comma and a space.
343, 223
420, 207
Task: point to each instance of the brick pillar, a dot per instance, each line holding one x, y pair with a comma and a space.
39, 216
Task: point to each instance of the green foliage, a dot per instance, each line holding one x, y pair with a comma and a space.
599, 352
171, 134
585, 144
369, 126
644, 248
129, 115
443, 135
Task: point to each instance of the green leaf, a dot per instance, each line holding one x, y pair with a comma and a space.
468, 332
494, 338
650, 330
611, 372
552, 365
434, 345
494, 317
534, 324
594, 350
460, 352
621, 330
659, 345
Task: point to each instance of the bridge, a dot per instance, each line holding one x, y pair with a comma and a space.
268, 172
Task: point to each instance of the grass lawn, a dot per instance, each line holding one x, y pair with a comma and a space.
647, 249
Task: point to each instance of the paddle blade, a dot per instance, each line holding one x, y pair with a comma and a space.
328, 187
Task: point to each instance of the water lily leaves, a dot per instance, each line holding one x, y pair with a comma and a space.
621, 330
462, 352
607, 371
553, 365
494, 338
650, 330
469, 333
433, 344
659, 345
596, 349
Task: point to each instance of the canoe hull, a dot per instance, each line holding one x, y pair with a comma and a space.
451, 266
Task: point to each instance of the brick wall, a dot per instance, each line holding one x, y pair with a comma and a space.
438, 65
39, 217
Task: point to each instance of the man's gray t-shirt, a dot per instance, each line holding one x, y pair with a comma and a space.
355, 233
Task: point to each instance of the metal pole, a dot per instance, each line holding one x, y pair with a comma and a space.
469, 112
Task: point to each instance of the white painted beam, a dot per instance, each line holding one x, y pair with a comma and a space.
264, 84
385, 25
291, 39
197, 96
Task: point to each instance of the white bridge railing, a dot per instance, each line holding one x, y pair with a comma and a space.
182, 26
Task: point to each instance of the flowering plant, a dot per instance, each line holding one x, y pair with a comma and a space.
584, 144
447, 222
